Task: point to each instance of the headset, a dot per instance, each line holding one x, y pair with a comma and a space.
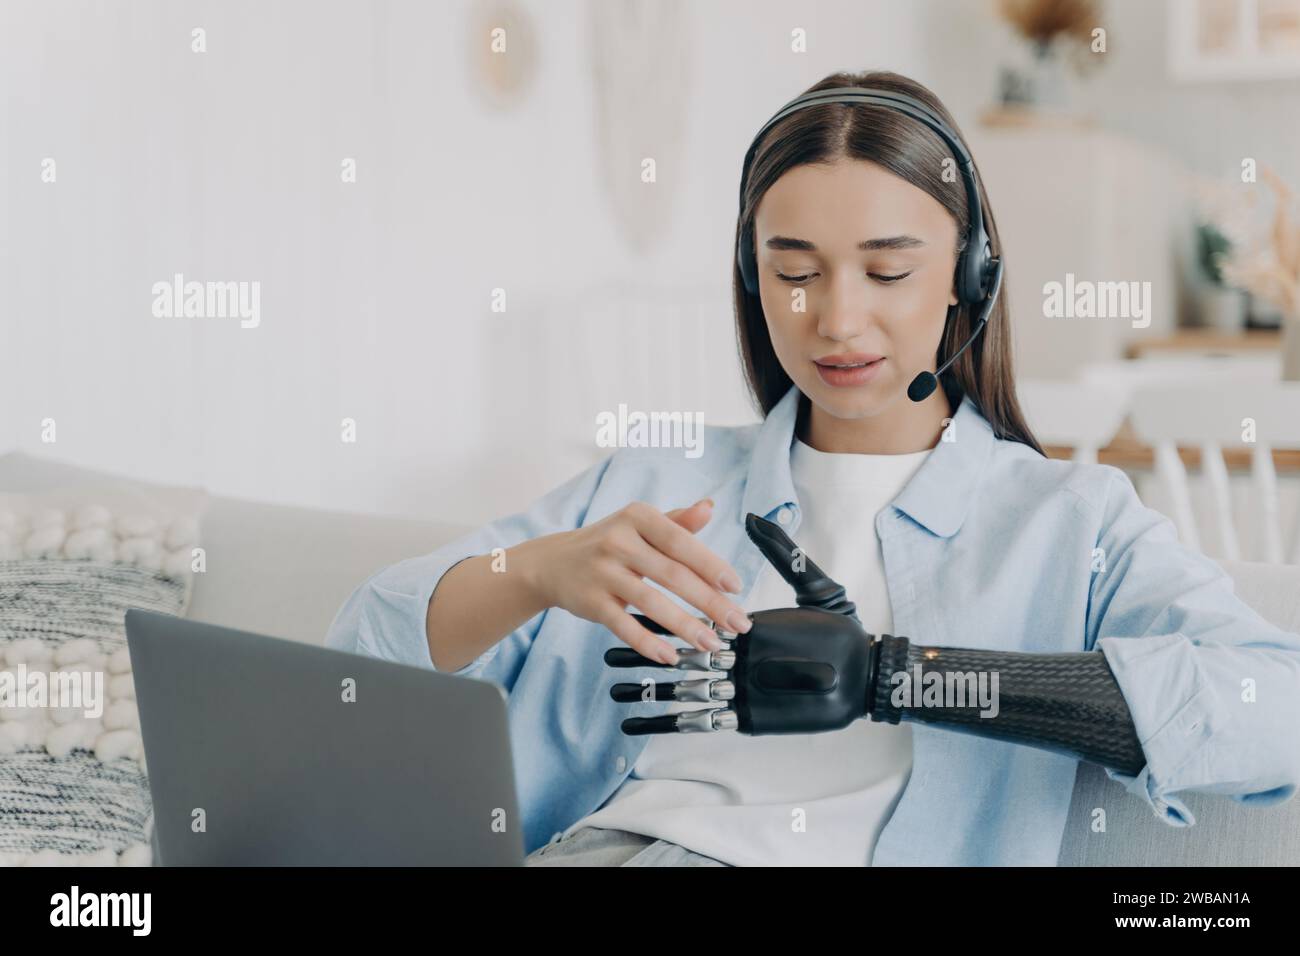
978, 276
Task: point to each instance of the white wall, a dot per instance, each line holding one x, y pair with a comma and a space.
375, 296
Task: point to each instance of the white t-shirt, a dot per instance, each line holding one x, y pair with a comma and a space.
788, 799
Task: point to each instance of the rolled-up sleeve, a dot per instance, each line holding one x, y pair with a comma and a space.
1213, 688
385, 616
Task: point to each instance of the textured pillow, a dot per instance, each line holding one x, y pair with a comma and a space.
72, 777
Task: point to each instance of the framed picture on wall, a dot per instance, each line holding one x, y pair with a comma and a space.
1233, 39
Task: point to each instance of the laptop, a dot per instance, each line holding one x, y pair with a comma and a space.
268, 752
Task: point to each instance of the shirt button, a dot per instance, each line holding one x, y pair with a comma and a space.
620, 764
785, 516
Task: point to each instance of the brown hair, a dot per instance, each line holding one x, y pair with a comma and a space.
915, 153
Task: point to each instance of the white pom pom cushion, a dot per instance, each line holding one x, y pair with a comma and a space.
73, 788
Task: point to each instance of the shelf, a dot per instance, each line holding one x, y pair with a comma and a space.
1126, 452
1206, 340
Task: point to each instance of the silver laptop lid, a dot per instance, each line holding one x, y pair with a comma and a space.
263, 751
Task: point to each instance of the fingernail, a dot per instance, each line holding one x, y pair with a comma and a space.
738, 623
668, 655
709, 639
707, 501
730, 582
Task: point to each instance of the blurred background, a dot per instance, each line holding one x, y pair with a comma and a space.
389, 179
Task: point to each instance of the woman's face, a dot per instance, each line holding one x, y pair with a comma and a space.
853, 259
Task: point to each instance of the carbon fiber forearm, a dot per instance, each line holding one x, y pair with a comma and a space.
1067, 703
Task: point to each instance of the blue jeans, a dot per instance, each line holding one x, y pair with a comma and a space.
598, 846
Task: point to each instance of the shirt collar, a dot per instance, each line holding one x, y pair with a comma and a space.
937, 497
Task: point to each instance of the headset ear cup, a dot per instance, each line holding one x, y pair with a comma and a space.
974, 281
974, 271
748, 267
961, 278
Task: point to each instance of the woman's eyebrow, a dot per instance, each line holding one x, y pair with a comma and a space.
867, 245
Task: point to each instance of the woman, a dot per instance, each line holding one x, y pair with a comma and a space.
938, 512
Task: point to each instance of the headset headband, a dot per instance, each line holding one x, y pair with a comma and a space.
975, 264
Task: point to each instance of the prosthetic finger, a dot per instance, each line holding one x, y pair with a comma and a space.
812, 586
701, 690
705, 720
702, 720
691, 660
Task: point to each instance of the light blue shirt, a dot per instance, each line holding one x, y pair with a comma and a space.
989, 545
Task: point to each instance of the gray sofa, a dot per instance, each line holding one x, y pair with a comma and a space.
285, 571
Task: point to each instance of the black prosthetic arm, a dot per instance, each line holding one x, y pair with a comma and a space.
1068, 703
813, 669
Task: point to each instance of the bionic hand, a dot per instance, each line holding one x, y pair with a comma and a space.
813, 668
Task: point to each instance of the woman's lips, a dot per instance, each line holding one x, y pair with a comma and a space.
848, 377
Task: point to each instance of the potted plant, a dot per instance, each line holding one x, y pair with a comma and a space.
1222, 305
1053, 29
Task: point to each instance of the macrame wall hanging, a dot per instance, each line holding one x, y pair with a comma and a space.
639, 51
504, 53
